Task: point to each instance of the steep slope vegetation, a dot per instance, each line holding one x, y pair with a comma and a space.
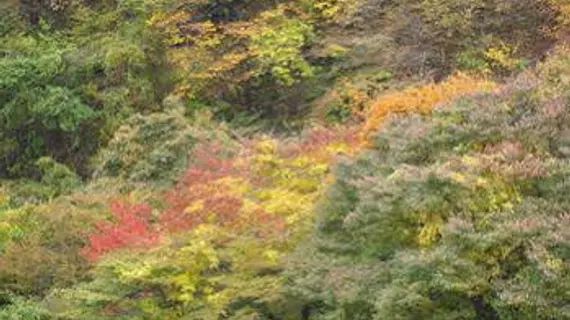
458, 215
163, 159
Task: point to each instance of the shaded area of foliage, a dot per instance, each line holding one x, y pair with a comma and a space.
39, 116
64, 91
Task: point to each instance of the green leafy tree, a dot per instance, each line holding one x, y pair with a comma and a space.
39, 113
66, 87
153, 148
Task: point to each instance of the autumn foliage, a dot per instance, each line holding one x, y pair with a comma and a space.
460, 214
229, 190
422, 99
236, 211
130, 228
284, 160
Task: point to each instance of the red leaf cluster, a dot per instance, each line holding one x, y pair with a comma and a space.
203, 196
213, 201
130, 228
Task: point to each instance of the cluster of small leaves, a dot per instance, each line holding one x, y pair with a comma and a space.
460, 215
278, 48
54, 180
19, 309
154, 147
59, 178
131, 229
563, 18
335, 10
349, 98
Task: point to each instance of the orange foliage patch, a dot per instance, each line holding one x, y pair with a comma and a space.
422, 99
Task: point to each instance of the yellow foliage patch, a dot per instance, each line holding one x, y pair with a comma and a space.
334, 10
430, 230
3, 198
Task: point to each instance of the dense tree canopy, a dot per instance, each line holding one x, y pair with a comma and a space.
460, 215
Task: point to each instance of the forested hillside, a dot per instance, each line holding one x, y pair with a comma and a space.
284, 159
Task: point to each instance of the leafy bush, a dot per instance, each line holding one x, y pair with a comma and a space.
153, 147
349, 98
131, 228
278, 48
59, 178
54, 180
42, 249
40, 115
20, 309
462, 215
